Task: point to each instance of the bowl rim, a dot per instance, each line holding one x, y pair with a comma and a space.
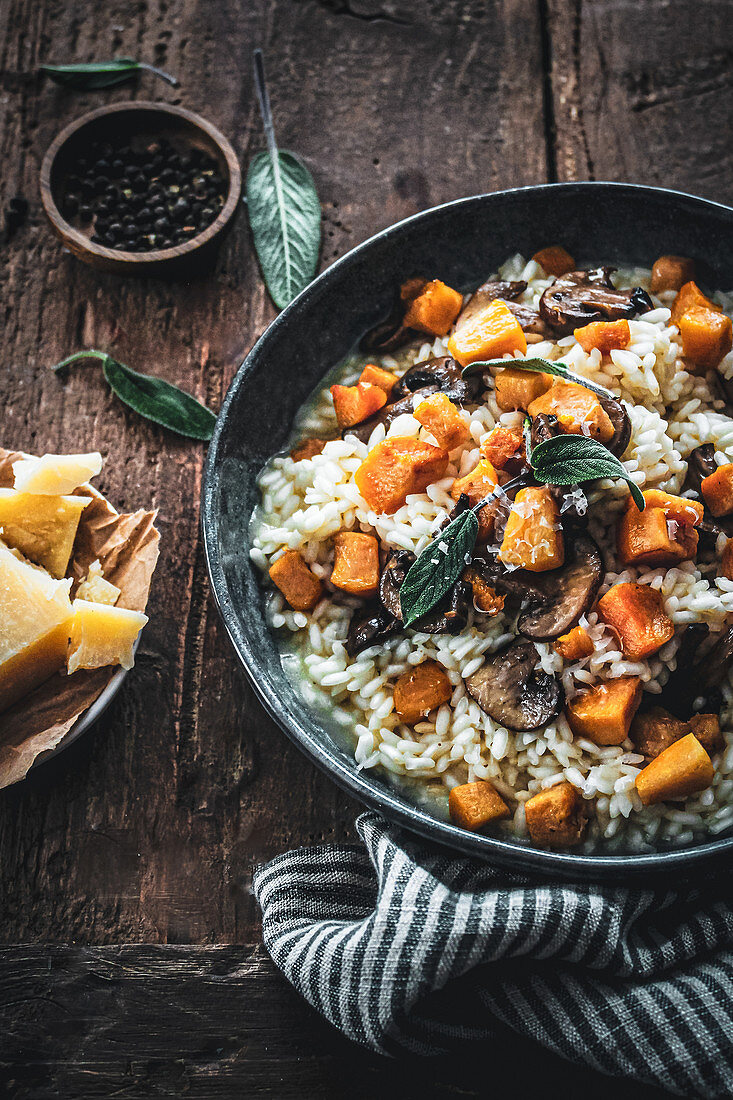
177, 252
414, 818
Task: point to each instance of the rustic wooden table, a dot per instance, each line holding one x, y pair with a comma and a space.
125, 864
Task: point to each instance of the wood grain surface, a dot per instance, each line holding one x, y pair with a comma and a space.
147, 829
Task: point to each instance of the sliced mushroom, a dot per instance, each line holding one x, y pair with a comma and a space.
489, 292
392, 333
560, 596
700, 464
448, 617
529, 319
580, 297
369, 625
510, 690
619, 417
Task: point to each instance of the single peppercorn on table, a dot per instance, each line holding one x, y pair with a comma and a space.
132, 961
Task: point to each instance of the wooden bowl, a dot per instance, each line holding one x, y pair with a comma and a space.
149, 121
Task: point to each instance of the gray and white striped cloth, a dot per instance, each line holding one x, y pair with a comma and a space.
403, 947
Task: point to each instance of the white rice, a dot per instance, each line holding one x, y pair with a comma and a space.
304, 504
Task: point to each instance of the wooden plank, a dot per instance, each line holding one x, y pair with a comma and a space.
643, 92
148, 828
213, 1023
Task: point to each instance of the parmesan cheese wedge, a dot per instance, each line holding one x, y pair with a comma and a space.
55, 475
35, 618
102, 635
96, 588
43, 528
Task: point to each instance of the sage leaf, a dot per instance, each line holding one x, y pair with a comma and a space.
153, 398
544, 366
438, 567
284, 211
102, 74
572, 459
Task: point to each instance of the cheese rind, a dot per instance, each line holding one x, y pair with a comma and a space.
55, 475
102, 635
43, 528
35, 618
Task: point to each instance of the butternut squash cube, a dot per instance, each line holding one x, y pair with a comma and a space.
476, 485
578, 411
101, 635
485, 598
43, 528
434, 309
55, 475
604, 335
441, 417
663, 534
35, 615
670, 272
556, 816
574, 645
377, 376
307, 448
356, 564
474, 805
421, 690
604, 713
355, 403
636, 613
707, 335
679, 771
533, 536
517, 389
717, 490
689, 296
490, 333
397, 467
555, 260
300, 587
502, 444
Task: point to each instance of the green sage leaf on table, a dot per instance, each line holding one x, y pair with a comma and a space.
151, 397
572, 459
438, 567
543, 366
284, 211
102, 74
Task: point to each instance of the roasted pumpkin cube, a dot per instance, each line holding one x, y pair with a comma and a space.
378, 376
533, 536
397, 467
663, 534
706, 728
707, 335
489, 333
517, 389
300, 587
689, 296
717, 490
307, 448
356, 563
355, 403
501, 445
574, 645
476, 485
556, 816
420, 690
473, 805
671, 272
636, 613
443, 420
655, 730
604, 335
485, 598
682, 769
604, 713
555, 260
434, 309
578, 411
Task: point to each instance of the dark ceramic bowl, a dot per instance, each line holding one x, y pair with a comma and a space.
461, 243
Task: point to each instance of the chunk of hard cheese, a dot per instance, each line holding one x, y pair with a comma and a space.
35, 616
102, 635
55, 475
41, 527
96, 588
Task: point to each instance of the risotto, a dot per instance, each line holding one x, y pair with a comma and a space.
510, 590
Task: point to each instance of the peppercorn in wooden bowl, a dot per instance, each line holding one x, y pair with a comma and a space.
138, 188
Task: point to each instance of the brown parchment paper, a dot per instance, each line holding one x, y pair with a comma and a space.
127, 549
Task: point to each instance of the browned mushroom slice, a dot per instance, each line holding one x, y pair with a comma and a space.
448, 617
529, 319
393, 333
701, 464
580, 297
510, 690
560, 596
489, 292
369, 625
619, 417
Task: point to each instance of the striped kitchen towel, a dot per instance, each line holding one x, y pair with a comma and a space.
640, 981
